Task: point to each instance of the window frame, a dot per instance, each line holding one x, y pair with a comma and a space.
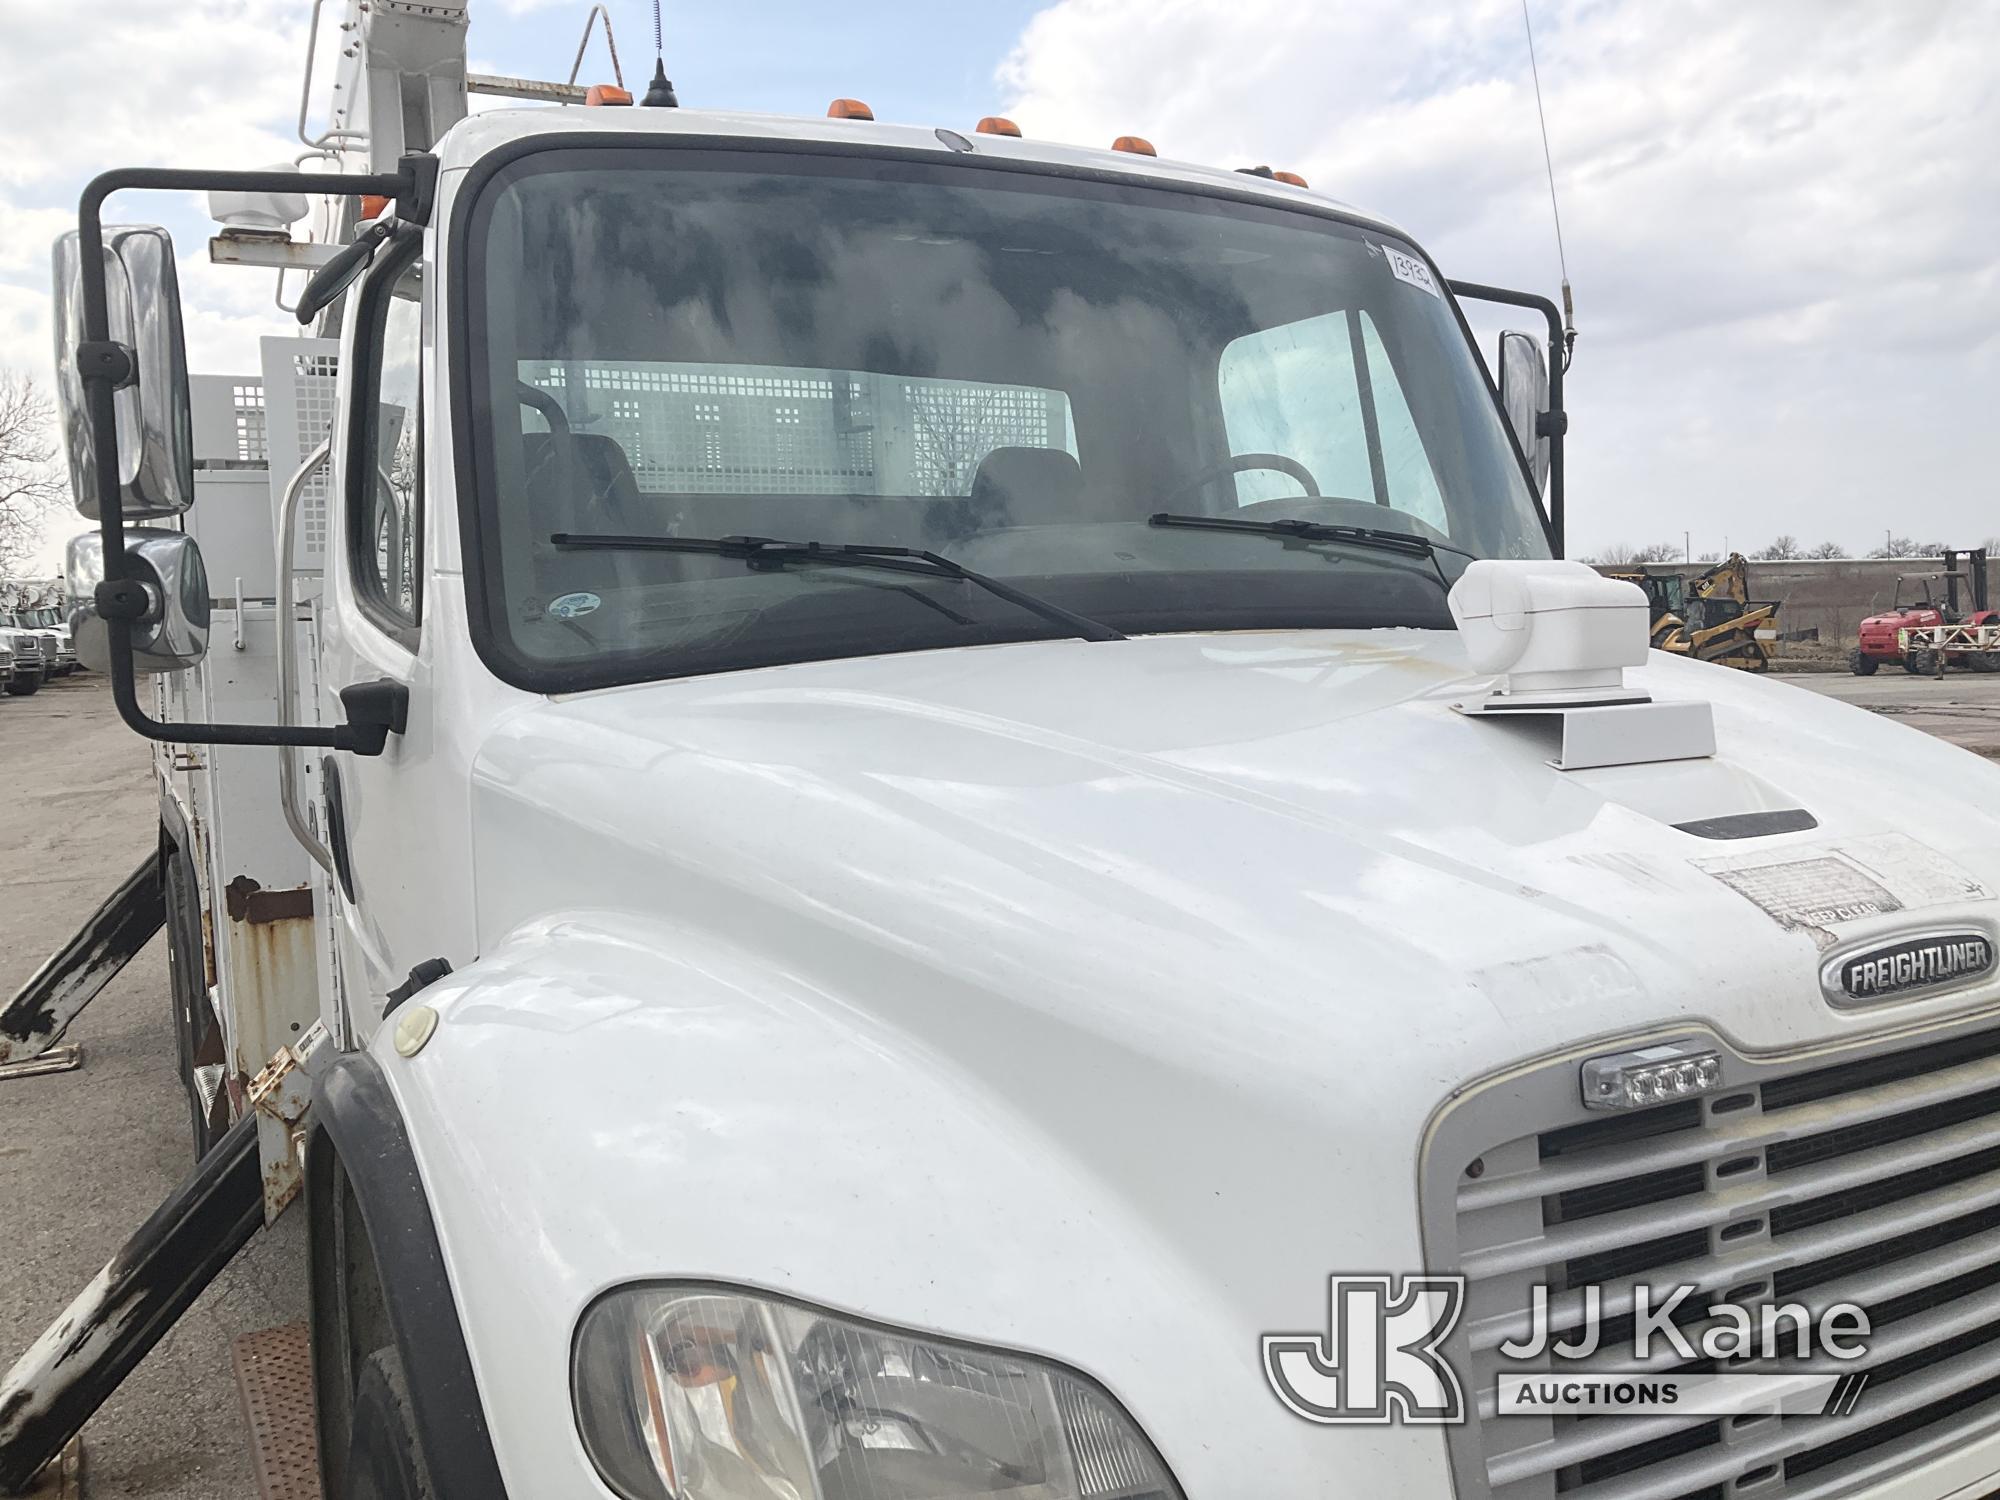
371, 317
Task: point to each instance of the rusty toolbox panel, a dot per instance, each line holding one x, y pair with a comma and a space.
274, 1374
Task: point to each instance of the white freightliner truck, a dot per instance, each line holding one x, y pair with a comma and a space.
35, 604
840, 843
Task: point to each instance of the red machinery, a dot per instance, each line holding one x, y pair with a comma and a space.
1887, 636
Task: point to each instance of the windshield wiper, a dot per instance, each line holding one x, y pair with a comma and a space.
1407, 543
770, 552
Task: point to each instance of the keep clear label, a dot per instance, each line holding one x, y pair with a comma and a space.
1815, 888
1410, 271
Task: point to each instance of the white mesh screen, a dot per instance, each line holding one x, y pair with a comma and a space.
299, 384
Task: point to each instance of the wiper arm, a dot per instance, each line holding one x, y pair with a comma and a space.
1408, 543
770, 552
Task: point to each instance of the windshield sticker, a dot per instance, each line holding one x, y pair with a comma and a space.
1815, 890
1411, 271
569, 606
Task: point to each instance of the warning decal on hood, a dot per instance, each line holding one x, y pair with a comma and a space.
1815, 888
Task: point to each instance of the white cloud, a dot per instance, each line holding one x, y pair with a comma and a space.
91, 85
1780, 218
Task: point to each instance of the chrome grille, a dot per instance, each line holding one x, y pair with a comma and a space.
1875, 1181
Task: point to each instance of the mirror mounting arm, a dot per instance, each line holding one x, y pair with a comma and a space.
122, 599
107, 359
1557, 416
106, 366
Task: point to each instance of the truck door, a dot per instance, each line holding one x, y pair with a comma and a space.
382, 813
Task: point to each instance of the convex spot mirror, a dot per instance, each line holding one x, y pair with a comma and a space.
1524, 396
172, 633
154, 427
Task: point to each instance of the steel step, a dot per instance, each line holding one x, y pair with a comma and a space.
62, 1478
274, 1375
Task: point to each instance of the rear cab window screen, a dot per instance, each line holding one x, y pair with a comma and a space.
712, 429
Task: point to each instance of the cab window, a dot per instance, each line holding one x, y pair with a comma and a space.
385, 522
1322, 391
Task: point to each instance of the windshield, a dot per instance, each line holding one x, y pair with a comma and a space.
1011, 370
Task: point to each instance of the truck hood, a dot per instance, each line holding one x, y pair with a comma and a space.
1281, 818
1094, 999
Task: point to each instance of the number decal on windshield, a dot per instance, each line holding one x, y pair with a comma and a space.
1411, 271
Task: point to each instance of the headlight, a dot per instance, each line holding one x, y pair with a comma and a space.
700, 1393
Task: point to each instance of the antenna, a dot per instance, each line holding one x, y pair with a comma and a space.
1555, 208
661, 93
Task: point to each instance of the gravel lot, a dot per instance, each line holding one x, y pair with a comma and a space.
1963, 707
85, 1156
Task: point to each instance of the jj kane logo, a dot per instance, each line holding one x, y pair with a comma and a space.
1381, 1358
1933, 961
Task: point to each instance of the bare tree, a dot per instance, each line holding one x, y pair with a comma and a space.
1902, 546
1782, 549
30, 481
954, 428
1625, 555
1827, 552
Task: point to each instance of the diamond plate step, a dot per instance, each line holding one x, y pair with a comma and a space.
274, 1375
62, 1478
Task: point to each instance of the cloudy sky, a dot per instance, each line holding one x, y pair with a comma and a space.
1782, 215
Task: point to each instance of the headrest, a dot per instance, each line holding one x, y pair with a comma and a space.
1027, 487
601, 458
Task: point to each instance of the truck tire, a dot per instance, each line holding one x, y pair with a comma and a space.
384, 1461
1921, 662
22, 687
1861, 664
1984, 661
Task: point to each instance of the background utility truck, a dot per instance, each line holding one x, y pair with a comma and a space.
833, 830
37, 604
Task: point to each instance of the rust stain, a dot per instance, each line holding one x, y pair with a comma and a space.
208, 946
247, 901
274, 980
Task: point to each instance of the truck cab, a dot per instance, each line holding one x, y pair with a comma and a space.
54, 638
29, 659
905, 856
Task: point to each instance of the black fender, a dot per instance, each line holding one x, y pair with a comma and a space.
359, 1164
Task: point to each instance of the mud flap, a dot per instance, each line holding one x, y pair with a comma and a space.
41, 1011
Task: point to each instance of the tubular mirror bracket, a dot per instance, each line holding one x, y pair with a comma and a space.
1554, 424
108, 360
106, 366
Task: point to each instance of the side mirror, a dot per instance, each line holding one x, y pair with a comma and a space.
171, 634
1524, 397
155, 427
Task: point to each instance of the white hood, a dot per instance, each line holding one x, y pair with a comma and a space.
1093, 998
